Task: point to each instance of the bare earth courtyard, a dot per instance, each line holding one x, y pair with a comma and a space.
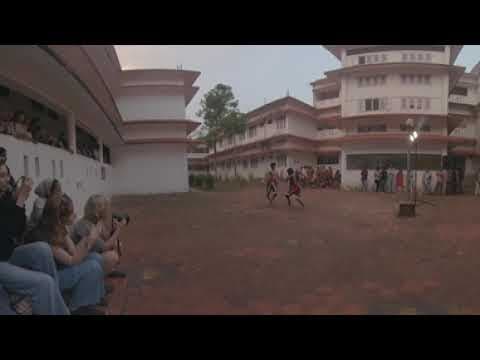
346, 253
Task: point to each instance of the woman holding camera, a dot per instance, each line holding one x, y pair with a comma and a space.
27, 270
79, 271
98, 212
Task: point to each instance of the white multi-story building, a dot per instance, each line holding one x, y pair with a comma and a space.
358, 116
134, 120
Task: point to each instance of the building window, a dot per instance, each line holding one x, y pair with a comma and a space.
411, 79
230, 140
37, 167
463, 91
328, 160
282, 161
103, 173
252, 131
428, 57
360, 82
280, 124
376, 59
412, 57
245, 164
420, 57
61, 169
372, 128
361, 60
241, 137
384, 57
404, 78
427, 103
396, 161
426, 128
404, 103
404, 57
25, 166
411, 103
427, 79
253, 163
419, 104
369, 59
420, 79
367, 81
383, 79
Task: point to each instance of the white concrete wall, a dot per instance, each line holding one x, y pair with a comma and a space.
81, 175
302, 127
396, 56
394, 90
154, 131
150, 169
151, 107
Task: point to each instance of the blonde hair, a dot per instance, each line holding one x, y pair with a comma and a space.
98, 209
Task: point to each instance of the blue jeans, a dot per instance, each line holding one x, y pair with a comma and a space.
85, 280
31, 271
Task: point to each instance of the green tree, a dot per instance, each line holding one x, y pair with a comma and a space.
219, 109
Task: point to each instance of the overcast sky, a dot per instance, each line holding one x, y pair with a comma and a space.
257, 73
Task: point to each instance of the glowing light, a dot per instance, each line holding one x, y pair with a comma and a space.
412, 139
415, 134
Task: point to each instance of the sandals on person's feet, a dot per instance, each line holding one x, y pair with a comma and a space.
117, 274
89, 310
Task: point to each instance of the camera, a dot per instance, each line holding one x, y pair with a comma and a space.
121, 217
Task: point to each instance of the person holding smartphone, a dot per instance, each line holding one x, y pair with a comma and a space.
27, 270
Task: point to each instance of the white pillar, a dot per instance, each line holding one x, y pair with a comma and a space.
72, 133
100, 150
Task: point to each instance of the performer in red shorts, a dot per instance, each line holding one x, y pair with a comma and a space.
294, 190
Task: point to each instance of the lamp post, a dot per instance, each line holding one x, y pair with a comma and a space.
408, 208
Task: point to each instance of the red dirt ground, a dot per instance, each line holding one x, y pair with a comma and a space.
345, 253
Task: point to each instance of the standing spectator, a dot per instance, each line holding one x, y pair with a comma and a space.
383, 179
477, 183
337, 179
461, 177
427, 182
364, 178
399, 180
440, 178
391, 179
21, 126
377, 175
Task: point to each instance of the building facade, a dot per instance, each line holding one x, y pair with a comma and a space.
125, 130
358, 114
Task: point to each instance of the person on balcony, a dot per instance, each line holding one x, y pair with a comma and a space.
21, 125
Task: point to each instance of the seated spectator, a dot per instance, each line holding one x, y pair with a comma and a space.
21, 126
98, 212
79, 271
27, 270
45, 190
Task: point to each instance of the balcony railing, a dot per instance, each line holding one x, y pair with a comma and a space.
459, 99
319, 104
330, 133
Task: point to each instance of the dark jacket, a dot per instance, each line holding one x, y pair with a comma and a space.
13, 222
